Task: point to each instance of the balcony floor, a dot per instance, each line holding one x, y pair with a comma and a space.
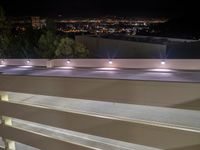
106, 73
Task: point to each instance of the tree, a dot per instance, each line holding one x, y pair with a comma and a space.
4, 45
50, 25
32, 43
48, 41
2, 18
69, 48
5, 33
47, 45
64, 48
80, 50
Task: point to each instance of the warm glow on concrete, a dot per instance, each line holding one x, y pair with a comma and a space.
26, 66
2, 65
161, 70
107, 68
66, 67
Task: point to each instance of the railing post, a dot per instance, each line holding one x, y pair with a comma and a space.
50, 63
9, 144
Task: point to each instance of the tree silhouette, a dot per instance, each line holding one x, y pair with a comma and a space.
68, 48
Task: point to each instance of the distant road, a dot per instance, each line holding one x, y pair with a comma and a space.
105, 73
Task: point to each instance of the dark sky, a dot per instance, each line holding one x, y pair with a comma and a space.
87, 8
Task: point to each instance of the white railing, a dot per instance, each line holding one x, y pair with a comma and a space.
48, 122
54, 135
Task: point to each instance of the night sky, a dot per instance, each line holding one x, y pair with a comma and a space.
96, 8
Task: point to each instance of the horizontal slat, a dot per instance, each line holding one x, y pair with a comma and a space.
36, 140
2, 145
70, 138
165, 94
180, 119
20, 146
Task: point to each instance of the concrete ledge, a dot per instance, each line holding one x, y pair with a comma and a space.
180, 64
165, 94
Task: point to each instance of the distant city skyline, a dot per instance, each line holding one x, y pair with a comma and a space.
181, 18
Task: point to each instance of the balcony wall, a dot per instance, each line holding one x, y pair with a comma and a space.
183, 64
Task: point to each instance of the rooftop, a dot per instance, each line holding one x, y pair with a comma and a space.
146, 39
